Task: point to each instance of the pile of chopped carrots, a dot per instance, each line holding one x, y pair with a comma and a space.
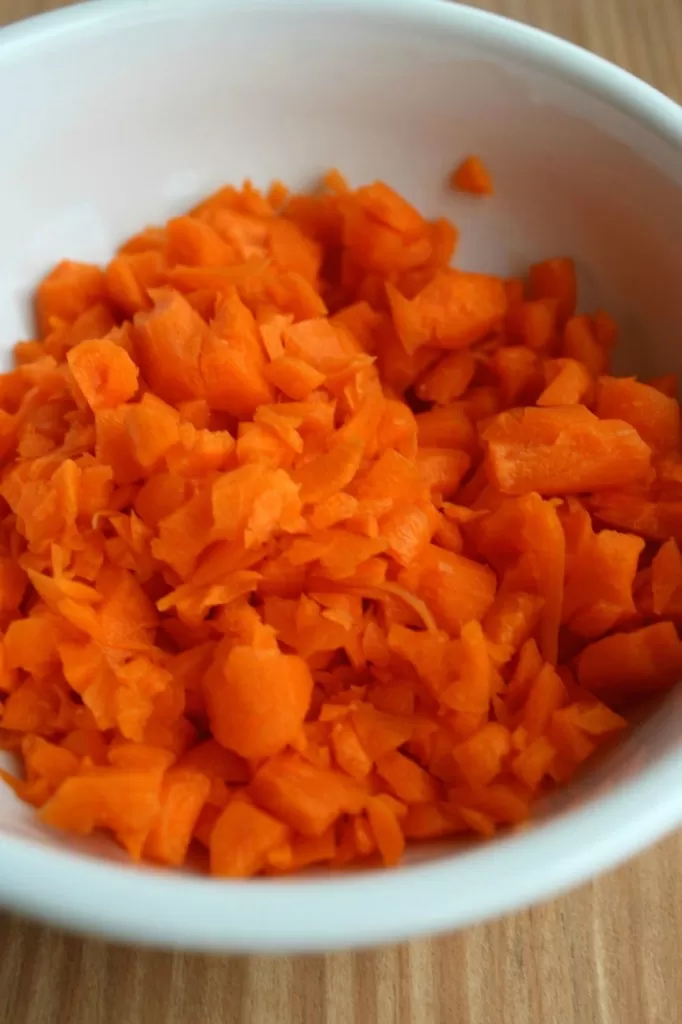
311, 545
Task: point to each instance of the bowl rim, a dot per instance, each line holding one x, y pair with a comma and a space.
160, 908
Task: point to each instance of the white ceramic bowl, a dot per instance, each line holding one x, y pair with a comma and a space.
119, 113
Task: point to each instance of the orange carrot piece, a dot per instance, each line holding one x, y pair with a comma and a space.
511, 620
472, 176
153, 427
448, 379
387, 831
307, 798
257, 699
594, 718
518, 374
293, 376
385, 205
644, 661
568, 383
407, 780
600, 575
320, 343
430, 821
104, 372
193, 242
48, 761
131, 275
329, 472
348, 751
533, 322
380, 733
547, 694
580, 343
469, 693
169, 342
126, 802
655, 416
533, 763
666, 575
407, 530
213, 760
456, 309
233, 382
68, 291
562, 450
555, 279
242, 838
480, 758
456, 589
657, 520
442, 469
183, 794
447, 426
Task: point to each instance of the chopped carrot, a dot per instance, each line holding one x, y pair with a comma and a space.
308, 798
406, 779
533, 763
67, 291
448, 379
481, 757
562, 450
644, 661
242, 838
457, 589
666, 575
104, 372
257, 699
472, 176
454, 310
533, 322
388, 833
555, 279
183, 794
446, 426
312, 545
126, 802
568, 383
654, 415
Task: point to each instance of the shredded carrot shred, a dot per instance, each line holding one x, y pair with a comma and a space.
312, 546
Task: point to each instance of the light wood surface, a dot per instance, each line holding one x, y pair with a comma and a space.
607, 954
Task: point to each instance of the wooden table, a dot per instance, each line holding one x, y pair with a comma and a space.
607, 953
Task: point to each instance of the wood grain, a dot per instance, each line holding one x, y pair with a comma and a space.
607, 954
